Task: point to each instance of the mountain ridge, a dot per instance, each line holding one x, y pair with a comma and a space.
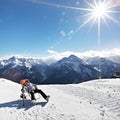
67, 70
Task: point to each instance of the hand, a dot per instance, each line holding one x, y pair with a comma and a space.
23, 96
22, 90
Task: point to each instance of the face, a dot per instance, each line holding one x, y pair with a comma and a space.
26, 83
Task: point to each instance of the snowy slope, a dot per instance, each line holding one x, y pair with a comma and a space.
94, 100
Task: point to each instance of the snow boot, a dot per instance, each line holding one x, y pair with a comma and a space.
47, 98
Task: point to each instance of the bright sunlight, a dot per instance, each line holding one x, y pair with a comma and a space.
99, 10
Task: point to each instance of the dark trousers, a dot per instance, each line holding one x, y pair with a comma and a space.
37, 91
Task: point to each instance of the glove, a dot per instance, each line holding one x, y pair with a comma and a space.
23, 96
22, 90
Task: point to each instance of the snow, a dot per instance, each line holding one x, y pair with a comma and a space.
93, 100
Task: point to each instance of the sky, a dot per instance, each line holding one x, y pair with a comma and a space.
44, 27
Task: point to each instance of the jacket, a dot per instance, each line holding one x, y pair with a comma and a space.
30, 87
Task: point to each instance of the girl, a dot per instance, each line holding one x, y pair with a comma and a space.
32, 88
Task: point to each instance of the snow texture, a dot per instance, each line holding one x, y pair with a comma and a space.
93, 100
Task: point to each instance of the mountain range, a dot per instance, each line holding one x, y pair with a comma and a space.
67, 70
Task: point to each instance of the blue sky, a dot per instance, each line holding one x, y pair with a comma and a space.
37, 27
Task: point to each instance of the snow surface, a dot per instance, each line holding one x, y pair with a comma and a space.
93, 100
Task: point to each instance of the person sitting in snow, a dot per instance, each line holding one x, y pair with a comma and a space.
31, 89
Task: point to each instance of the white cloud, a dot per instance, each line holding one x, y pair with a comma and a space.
91, 53
63, 33
71, 32
54, 55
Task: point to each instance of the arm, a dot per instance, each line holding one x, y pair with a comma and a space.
35, 86
30, 87
23, 89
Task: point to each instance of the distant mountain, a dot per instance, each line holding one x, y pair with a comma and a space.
18, 68
115, 59
67, 70
106, 66
70, 70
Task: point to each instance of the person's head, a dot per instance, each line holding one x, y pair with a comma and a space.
24, 82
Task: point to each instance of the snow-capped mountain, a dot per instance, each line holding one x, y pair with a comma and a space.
17, 68
70, 70
72, 60
67, 70
107, 67
115, 59
28, 62
93, 100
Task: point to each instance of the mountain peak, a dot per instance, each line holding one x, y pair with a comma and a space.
13, 58
74, 58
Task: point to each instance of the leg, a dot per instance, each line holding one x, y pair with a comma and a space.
41, 92
32, 96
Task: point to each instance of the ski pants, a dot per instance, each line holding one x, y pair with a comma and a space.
37, 91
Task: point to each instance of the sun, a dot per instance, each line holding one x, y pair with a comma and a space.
99, 11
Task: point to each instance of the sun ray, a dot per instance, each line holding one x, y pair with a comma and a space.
99, 8
99, 11
59, 6
89, 4
93, 22
86, 22
111, 18
105, 21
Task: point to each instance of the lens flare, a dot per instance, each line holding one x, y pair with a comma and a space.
98, 10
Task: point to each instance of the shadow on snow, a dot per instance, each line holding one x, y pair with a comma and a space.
19, 104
